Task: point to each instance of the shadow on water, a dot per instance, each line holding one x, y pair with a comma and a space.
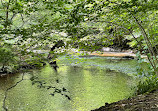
75, 84
55, 67
42, 83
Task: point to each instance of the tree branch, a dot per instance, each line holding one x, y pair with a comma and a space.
149, 44
13, 16
153, 57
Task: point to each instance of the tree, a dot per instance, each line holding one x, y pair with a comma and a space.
126, 16
32, 23
6, 58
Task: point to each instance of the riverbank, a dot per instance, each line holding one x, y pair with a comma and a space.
21, 67
127, 54
144, 102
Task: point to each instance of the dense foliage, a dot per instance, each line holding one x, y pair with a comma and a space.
27, 25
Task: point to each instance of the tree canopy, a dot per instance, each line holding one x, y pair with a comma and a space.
83, 24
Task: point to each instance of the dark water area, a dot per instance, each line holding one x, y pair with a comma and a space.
80, 84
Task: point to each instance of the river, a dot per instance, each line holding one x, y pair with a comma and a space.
80, 84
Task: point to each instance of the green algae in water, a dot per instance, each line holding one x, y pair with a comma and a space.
89, 82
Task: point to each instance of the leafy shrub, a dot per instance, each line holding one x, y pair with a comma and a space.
6, 56
147, 76
35, 62
148, 84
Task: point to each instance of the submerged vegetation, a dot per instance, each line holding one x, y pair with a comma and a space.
29, 26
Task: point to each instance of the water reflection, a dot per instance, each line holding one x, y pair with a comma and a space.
87, 84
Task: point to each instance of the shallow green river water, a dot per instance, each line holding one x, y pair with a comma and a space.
80, 84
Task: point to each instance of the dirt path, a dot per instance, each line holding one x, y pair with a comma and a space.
146, 102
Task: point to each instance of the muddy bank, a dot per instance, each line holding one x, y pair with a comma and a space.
145, 102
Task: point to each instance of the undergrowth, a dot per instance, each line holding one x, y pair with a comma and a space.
147, 85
